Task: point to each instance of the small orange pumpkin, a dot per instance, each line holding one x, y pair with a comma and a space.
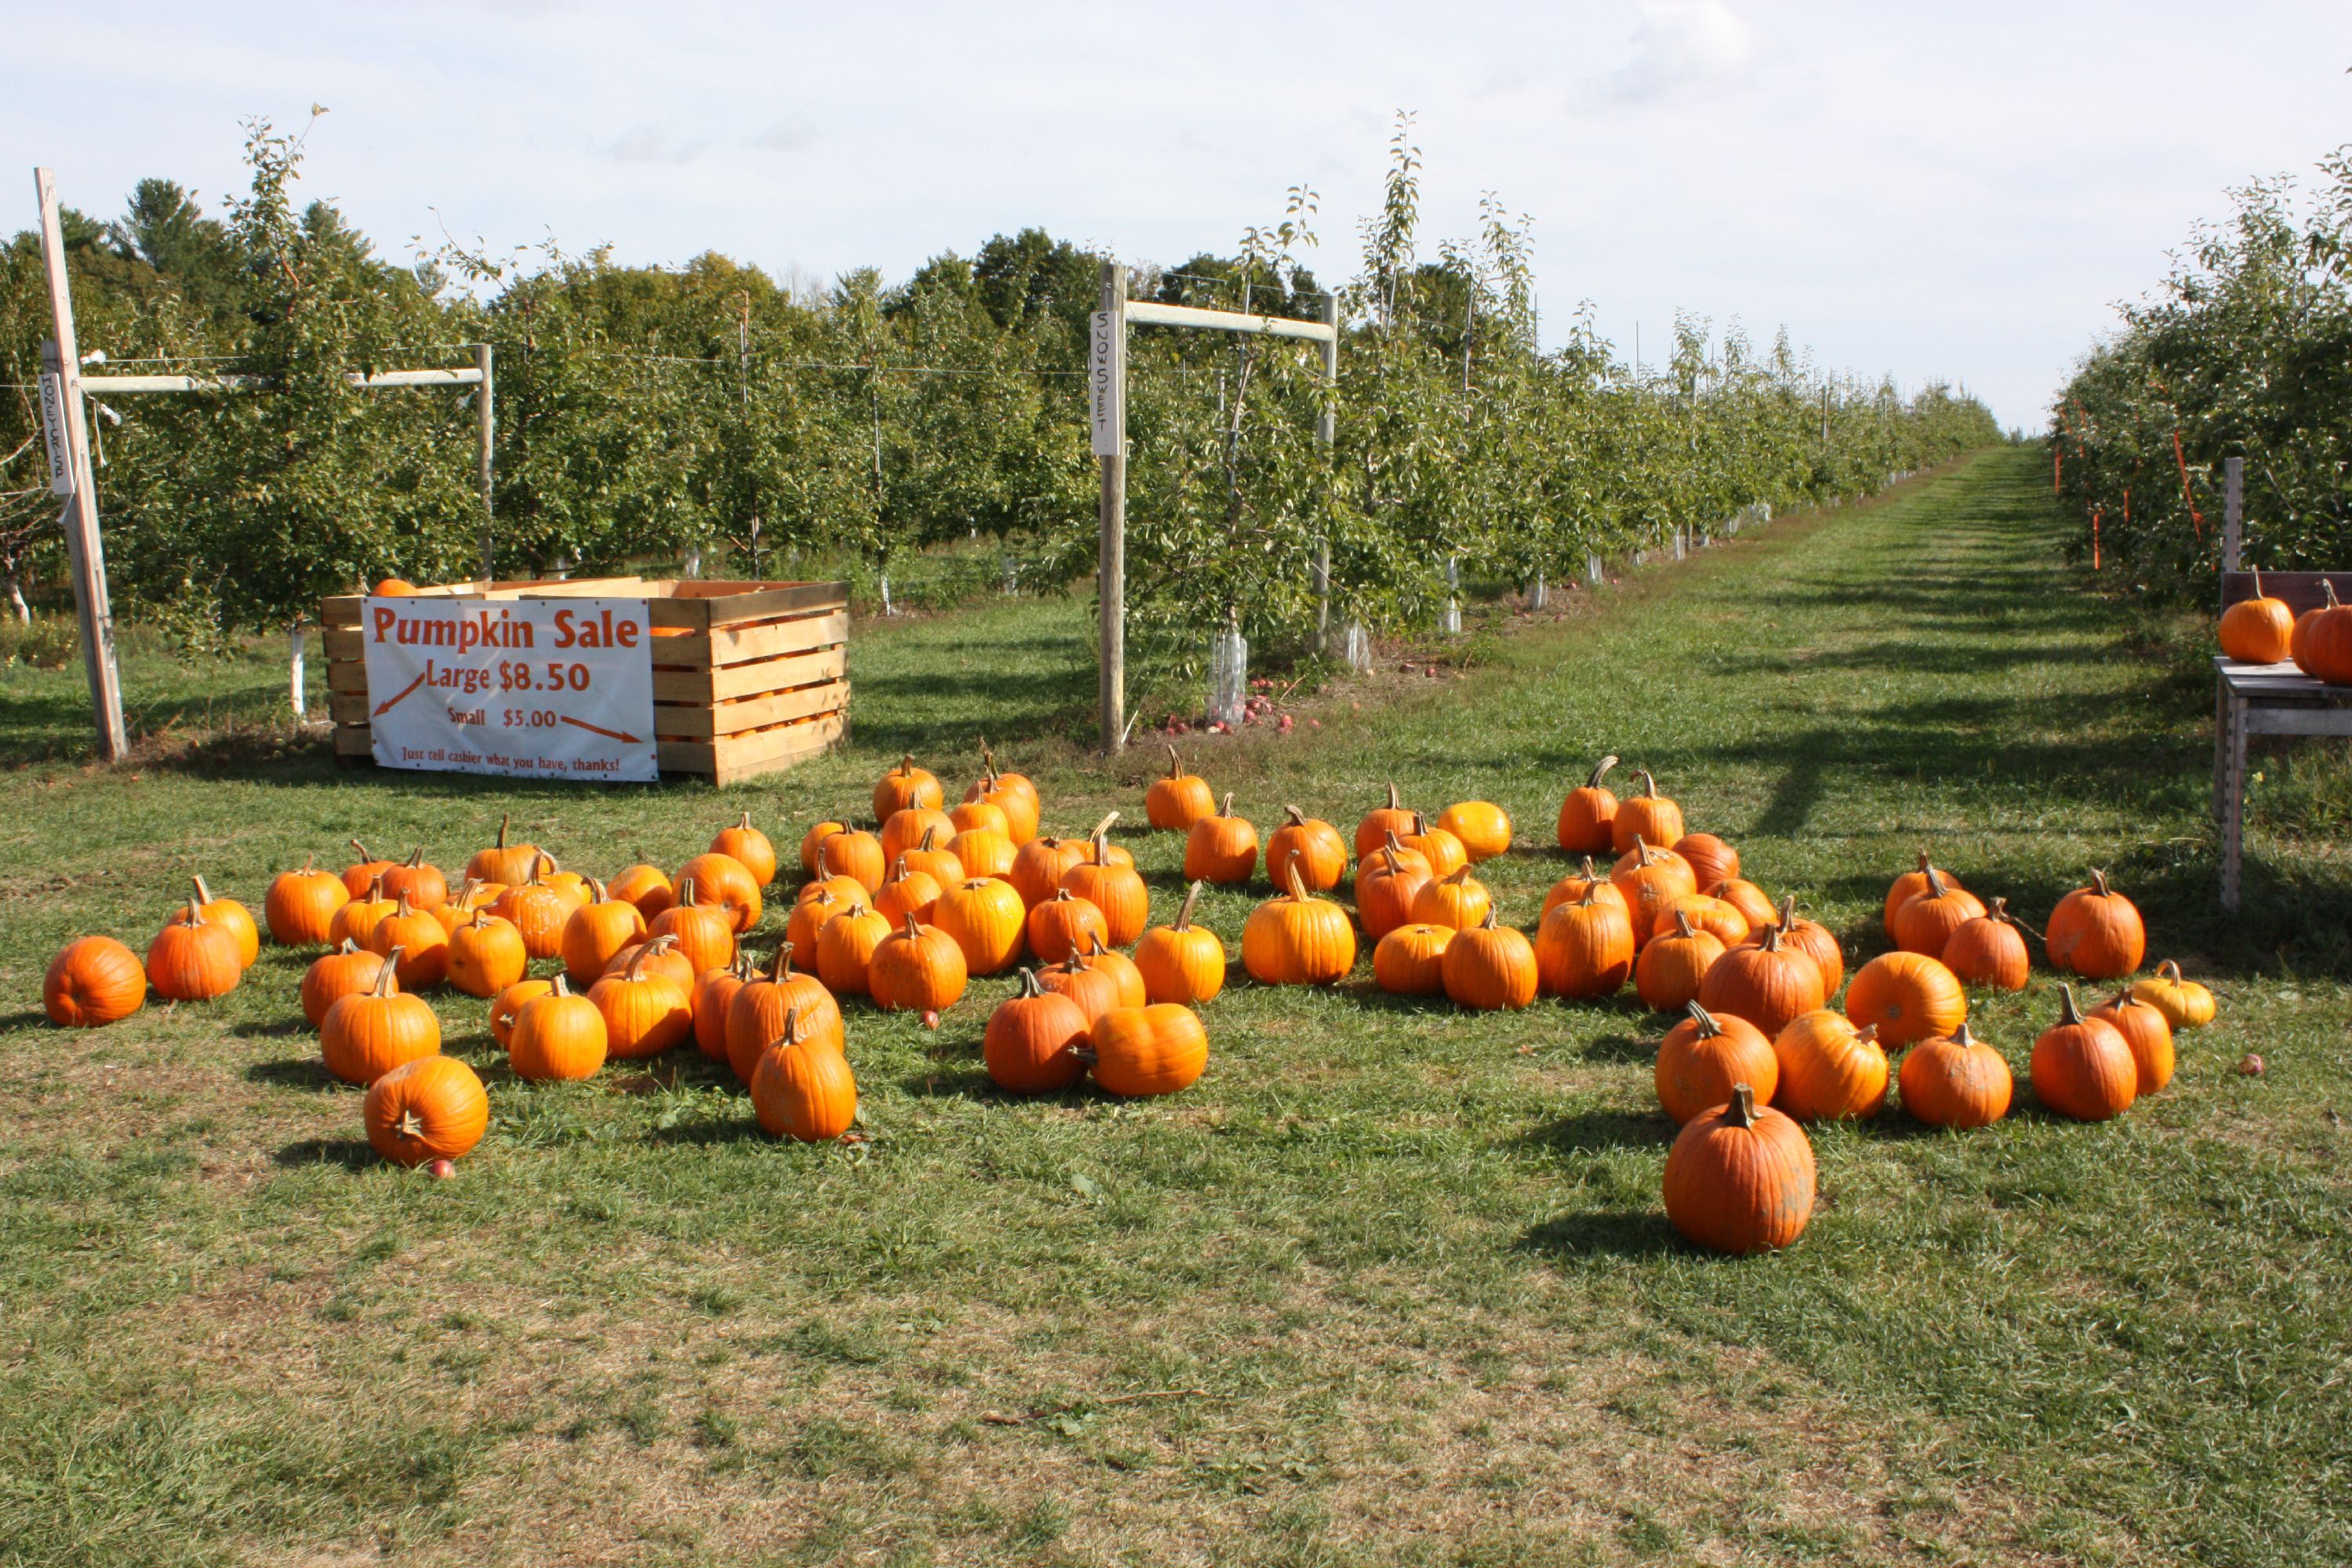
1410, 961
2096, 932
193, 959
1298, 940
346, 972
1093, 991
714, 992
366, 1035
1031, 1043
705, 932
1489, 967
1457, 901
1705, 1055
2147, 1033
1768, 984
1928, 918
803, 1090
1175, 802
422, 884
917, 968
1221, 848
983, 916
1956, 1081
1483, 827
1386, 886
757, 1015
645, 1012
1059, 926
1321, 854
300, 905
1589, 814
1909, 886
1650, 879
434, 1108
1989, 950
906, 785
1585, 949
2084, 1068
1669, 972
1648, 817
844, 950
1154, 1050
1114, 889
724, 880
2258, 630
509, 1005
1182, 962
906, 893
486, 954
647, 887
95, 980
232, 916
748, 845
1910, 997
595, 932
1379, 825
559, 1035
1828, 1069
501, 862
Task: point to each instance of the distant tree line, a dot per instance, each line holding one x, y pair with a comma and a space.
651, 412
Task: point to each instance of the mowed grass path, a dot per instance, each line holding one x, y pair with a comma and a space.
1391, 1283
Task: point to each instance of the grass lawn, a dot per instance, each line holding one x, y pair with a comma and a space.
1391, 1283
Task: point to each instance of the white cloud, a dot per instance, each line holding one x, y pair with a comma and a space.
1682, 48
652, 145
788, 135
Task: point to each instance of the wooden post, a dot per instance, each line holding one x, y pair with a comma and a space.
2233, 513
1326, 430
85, 555
1107, 395
486, 421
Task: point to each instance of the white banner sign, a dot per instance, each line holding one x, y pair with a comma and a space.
1106, 383
555, 688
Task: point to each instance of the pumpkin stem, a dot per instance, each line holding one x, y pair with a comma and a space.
1648, 785
502, 829
1074, 964
1599, 773
1770, 941
1226, 809
196, 913
402, 909
309, 860
1083, 1053
1707, 1027
1960, 1035
1394, 843
1682, 924
561, 988
2067, 1012
1587, 871
1175, 764
1458, 876
1297, 818
410, 1124
596, 892
1029, 987
1488, 923
929, 834
1103, 827
1420, 824
1742, 1110
2099, 880
466, 891
1298, 883
1095, 938
907, 766
1591, 889
416, 856
1184, 915
789, 1034
780, 968
1396, 802
744, 823
1868, 1032
364, 855
2171, 967
1924, 866
1935, 883
204, 894
376, 888
912, 929
386, 984
349, 946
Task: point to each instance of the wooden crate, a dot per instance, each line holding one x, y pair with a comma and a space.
749, 677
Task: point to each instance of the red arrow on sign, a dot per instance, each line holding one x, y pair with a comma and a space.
621, 735
388, 703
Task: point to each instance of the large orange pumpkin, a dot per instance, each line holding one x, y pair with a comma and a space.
1114, 889
1768, 984
486, 954
1650, 879
2096, 932
983, 916
2258, 630
803, 1090
193, 959
365, 1036
1154, 1050
430, 1109
1032, 1040
300, 905
1483, 827
1989, 950
1669, 972
1295, 939
232, 916
558, 1036
1386, 886
1646, 815
1221, 848
1320, 853
1410, 961
595, 932
1704, 1054
755, 1018
2083, 1068
2147, 1033
704, 932
918, 969
1909, 886
502, 862
906, 785
1379, 825
645, 1012
92, 981
1489, 967
1956, 1081
1908, 996
1828, 1069
1740, 1179
345, 972
1585, 949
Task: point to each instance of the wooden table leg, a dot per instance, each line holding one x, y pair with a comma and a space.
2220, 745
2234, 805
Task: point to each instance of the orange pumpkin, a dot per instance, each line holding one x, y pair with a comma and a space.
193, 959
1908, 996
1489, 967
1121, 969
917, 968
1039, 866
933, 860
230, 916
346, 972
906, 785
1221, 848
1410, 961
502, 862
539, 910
984, 916
1379, 825
756, 1017
423, 939
970, 813
1059, 927
907, 829
486, 955
1669, 972
471, 897
713, 994
1828, 1069
1705, 1055
595, 932
906, 893
1182, 962
1928, 918
2258, 630
1648, 817
1014, 795
1483, 827
2147, 1033
300, 905
1457, 901
1705, 912
1585, 949
95, 980
659, 955
509, 1005
366, 1035
559, 1035
1031, 1043
803, 1090
2083, 1068
1313, 844
844, 950
1989, 950
749, 846
1740, 1177
1768, 984
1155, 1049
818, 904
1956, 1081
430, 1109
724, 880
1386, 886
1812, 939
705, 932
1588, 814
1711, 859
361, 874
983, 852
813, 842
1571, 890
422, 884
2096, 932
1650, 879
645, 1012
1175, 802
2321, 644
1434, 844
1093, 991
1297, 939
1909, 886
1115, 890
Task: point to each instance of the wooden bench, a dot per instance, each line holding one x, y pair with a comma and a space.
2263, 698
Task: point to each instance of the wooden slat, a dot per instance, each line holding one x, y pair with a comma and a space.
349, 706
354, 740
346, 675
756, 679
2262, 718
742, 644
772, 603
2300, 590
735, 757
702, 721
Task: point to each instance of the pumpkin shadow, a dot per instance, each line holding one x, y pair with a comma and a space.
1604, 1233
351, 1153
277, 1031
959, 1080
293, 1072
1598, 1132
31, 1018
711, 1130
1619, 1048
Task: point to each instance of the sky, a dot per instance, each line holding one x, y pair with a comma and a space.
1924, 190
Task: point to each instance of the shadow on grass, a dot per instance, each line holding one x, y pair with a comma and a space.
351, 1153
1596, 1132
31, 1018
283, 1029
1606, 1232
292, 1072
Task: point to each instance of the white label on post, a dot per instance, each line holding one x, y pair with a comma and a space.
551, 688
53, 428
1106, 395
